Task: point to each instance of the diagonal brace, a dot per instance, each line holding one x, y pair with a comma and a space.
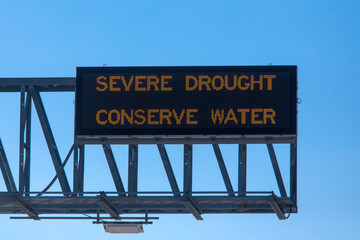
27, 208
108, 206
276, 207
192, 207
276, 168
223, 170
114, 169
168, 169
6, 171
55, 156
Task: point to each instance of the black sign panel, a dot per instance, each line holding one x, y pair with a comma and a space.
186, 101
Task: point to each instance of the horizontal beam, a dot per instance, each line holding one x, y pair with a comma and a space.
186, 140
89, 217
148, 204
55, 84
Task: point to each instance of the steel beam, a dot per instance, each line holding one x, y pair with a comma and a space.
114, 169
55, 156
192, 207
81, 168
105, 203
78, 171
187, 170
22, 139
168, 169
133, 170
57, 84
6, 171
89, 204
27, 143
25, 139
27, 208
276, 168
185, 140
293, 173
242, 169
76, 180
223, 170
11, 202
276, 207
90, 217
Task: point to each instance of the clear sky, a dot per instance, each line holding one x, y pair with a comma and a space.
52, 38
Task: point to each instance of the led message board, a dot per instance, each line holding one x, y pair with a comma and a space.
186, 101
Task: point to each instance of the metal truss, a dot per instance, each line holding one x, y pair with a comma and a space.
20, 200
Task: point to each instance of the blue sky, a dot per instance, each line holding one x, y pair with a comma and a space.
52, 38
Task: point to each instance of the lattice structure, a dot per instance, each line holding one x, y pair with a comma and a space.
113, 205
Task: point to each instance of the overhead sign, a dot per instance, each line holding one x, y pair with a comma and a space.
186, 101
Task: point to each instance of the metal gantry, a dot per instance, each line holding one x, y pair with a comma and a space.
113, 205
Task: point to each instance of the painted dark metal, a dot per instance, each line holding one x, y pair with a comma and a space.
242, 169
277, 171
21, 137
277, 209
188, 169
25, 140
168, 169
27, 144
77, 201
6, 171
133, 170
106, 204
293, 174
54, 84
26, 207
192, 207
114, 169
55, 156
185, 140
223, 170
141, 204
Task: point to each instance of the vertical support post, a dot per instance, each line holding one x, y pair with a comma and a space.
242, 169
187, 170
81, 169
27, 143
293, 173
133, 170
75, 170
78, 173
21, 139
24, 144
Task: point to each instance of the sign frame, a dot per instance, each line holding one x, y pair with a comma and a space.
80, 131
